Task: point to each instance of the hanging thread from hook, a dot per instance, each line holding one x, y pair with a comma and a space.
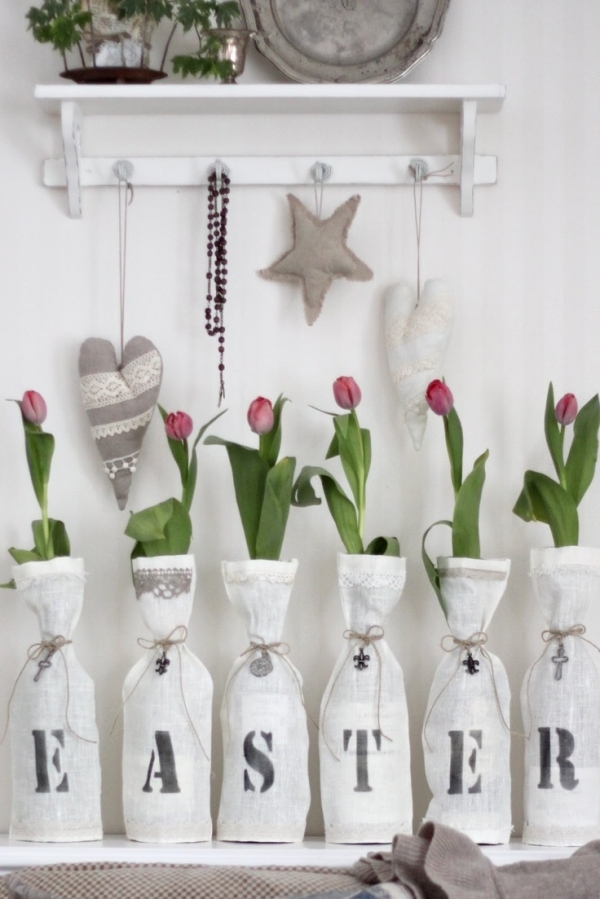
123, 170
320, 173
420, 172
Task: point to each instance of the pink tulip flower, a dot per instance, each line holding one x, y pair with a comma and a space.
566, 409
33, 407
260, 415
178, 425
346, 393
439, 397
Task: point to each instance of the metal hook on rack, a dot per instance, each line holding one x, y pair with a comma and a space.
123, 171
419, 168
320, 172
220, 169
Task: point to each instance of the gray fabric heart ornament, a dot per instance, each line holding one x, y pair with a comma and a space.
119, 401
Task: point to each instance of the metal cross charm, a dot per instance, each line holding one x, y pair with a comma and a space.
559, 660
44, 663
361, 660
162, 664
472, 664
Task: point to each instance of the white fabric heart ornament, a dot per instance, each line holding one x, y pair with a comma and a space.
416, 337
119, 401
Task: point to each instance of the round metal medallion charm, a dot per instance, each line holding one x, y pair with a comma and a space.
262, 666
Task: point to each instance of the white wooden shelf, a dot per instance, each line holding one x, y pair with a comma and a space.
312, 851
74, 102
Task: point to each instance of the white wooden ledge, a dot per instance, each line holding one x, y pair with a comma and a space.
74, 102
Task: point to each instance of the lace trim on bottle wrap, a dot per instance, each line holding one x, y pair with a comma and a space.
106, 388
475, 574
53, 576
371, 579
113, 428
166, 583
554, 570
271, 577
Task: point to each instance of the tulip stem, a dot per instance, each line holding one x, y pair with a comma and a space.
45, 523
562, 473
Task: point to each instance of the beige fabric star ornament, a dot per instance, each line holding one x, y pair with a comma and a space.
319, 254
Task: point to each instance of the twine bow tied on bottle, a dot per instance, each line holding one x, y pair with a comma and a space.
450, 643
50, 647
370, 637
176, 639
263, 666
550, 636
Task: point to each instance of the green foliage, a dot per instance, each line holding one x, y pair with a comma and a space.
165, 529
154, 10
467, 502
201, 16
58, 22
263, 488
199, 66
555, 502
353, 445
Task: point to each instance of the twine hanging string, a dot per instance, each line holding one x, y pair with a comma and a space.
373, 634
420, 175
279, 649
450, 643
176, 638
50, 647
123, 170
320, 172
549, 637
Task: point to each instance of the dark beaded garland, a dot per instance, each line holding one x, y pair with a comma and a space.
216, 275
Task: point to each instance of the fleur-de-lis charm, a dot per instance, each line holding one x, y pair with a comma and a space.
472, 665
361, 660
162, 664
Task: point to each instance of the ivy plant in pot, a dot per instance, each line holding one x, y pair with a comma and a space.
556, 688
468, 710
222, 40
53, 697
365, 696
263, 685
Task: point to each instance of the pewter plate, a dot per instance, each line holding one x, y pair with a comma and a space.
345, 41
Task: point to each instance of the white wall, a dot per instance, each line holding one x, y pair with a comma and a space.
525, 271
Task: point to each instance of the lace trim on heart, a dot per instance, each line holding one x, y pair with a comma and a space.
106, 388
371, 580
124, 463
166, 583
122, 427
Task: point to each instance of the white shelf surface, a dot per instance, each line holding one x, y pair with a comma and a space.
312, 851
258, 99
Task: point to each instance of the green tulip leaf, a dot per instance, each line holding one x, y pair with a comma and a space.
430, 569
58, 541
583, 455
341, 508
352, 453
189, 487
161, 530
250, 472
542, 499
383, 546
275, 509
39, 448
9, 585
270, 444
554, 435
465, 522
454, 444
334, 449
24, 555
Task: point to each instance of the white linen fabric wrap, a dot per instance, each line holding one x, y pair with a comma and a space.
53, 733
167, 717
265, 794
560, 714
364, 747
466, 737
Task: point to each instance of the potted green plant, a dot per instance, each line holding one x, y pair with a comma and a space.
222, 40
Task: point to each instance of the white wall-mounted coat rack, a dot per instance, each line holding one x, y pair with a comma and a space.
465, 169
